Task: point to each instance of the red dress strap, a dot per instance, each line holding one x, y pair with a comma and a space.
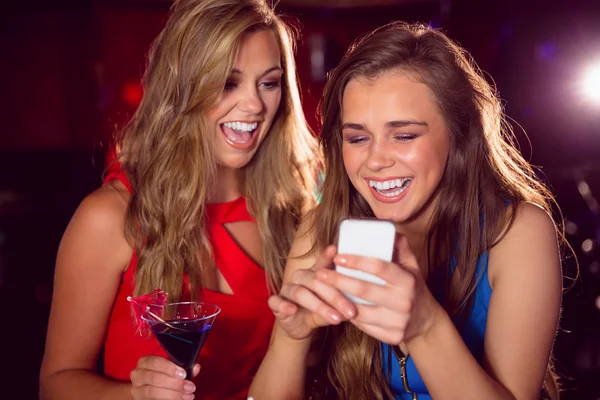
250, 280
116, 173
225, 213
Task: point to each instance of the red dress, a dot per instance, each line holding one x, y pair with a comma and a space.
240, 335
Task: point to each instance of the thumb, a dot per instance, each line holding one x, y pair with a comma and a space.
196, 370
404, 255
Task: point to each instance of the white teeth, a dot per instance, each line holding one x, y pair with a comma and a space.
241, 126
396, 193
402, 184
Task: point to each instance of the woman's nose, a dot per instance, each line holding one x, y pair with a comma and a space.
251, 102
379, 157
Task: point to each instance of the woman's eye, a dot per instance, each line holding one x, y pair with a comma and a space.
271, 84
405, 137
229, 86
356, 139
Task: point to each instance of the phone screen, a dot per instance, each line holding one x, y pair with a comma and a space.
369, 238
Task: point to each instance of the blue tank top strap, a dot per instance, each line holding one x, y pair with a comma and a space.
472, 330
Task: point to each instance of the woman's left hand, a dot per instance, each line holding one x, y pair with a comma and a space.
404, 308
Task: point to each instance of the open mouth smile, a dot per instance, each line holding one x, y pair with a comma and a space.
389, 190
240, 135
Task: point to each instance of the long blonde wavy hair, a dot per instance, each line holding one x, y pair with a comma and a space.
484, 173
167, 154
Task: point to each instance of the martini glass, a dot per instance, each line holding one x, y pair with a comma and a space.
181, 329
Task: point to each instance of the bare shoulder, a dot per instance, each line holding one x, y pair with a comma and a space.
302, 253
531, 218
105, 208
524, 309
92, 256
530, 246
111, 199
98, 224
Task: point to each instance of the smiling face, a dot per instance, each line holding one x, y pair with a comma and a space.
243, 115
394, 145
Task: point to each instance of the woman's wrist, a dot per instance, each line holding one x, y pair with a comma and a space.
436, 320
283, 339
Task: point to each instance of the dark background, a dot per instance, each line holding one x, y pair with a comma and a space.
70, 73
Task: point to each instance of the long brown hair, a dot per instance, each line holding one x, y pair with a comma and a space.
484, 173
168, 156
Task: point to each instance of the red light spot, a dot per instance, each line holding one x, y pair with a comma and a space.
132, 93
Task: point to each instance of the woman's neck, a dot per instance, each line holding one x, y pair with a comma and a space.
417, 231
228, 185
417, 241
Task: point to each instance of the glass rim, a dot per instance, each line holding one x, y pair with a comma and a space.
217, 311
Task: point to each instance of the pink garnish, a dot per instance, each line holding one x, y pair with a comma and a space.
152, 302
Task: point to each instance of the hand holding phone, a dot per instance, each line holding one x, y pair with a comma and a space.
369, 238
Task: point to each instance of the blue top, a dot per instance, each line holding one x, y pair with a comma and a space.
472, 331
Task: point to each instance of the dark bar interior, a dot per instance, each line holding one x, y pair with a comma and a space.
70, 76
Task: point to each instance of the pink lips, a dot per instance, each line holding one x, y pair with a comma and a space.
240, 145
386, 199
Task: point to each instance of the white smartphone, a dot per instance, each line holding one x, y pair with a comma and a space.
369, 238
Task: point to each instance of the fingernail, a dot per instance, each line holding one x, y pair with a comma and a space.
188, 397
180, 374
322, 275
334, 317
189, 387
341, 260
350, 312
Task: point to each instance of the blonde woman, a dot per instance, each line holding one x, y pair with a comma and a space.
414, 134
216, 169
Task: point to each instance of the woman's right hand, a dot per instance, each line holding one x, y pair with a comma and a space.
158, 378
306, 303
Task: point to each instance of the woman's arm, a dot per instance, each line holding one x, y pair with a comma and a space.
303, 305
91, 259
282, 372
525, 274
